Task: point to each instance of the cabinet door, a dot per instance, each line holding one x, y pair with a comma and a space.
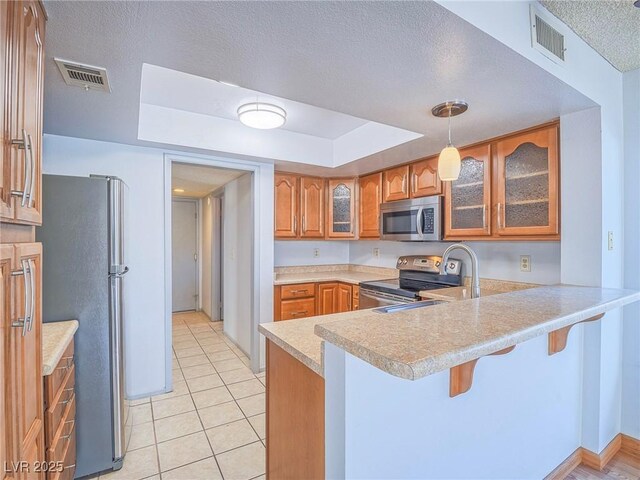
370, 200
312, 201
396, 184
343, 298
327, 293
28, 164
527, 184
468, 199
7, 83
286, 206
424, 178
26, 355
342, 208
6, 419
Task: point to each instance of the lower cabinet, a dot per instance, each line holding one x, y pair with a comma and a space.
60, 418
309, 299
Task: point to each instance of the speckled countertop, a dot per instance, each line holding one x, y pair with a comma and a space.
56, 337
416, 343
346, 273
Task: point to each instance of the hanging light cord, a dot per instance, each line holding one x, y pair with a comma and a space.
449, 127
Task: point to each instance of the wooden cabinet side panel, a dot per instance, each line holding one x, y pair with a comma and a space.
295, 418
369, 208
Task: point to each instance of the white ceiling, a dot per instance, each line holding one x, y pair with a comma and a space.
611, 27
198, 181
387, 62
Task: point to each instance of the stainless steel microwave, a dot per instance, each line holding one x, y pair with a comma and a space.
415, 220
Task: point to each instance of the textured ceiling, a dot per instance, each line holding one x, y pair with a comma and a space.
198, 181
611, 27
387, 62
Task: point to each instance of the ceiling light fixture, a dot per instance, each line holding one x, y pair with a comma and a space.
178, 190
264, 116
449, 159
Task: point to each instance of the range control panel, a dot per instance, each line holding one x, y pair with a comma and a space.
429, 264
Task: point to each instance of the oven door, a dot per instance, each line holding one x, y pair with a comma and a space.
374, 298
417, 220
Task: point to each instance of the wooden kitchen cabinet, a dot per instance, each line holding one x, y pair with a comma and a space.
370, 199
22, 106
7, 442
334, 297
468, 199
355, 305
395, 184
341, 222
526, 173
424, 178
299, 206
344, 298
286, 205
294, 301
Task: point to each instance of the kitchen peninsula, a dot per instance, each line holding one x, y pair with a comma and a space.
404, 395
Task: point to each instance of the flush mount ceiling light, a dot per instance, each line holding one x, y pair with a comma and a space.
178, 190
264, 116
449, 159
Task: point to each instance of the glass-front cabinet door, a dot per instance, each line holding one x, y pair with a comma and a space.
468, 199
527, 184
342, 208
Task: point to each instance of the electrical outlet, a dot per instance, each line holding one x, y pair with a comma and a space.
376, 252
610, 240
316, 252
525, 263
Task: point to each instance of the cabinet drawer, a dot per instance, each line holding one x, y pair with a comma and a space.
53, 382
64, 436
58, 407
298, 308
299, 290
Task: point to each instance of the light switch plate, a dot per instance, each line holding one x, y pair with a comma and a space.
525, 263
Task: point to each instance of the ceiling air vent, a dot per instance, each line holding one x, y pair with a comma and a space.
545, 35
85, 76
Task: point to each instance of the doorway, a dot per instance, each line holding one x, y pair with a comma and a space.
184, 261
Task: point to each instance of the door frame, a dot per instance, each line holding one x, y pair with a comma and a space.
196, 204
261, 289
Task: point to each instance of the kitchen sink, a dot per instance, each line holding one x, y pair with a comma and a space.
407, 306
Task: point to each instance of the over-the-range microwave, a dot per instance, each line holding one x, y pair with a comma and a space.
414, 220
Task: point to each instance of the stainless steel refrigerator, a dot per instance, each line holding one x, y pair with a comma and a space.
84, 266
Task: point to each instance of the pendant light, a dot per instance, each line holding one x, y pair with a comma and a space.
449, 159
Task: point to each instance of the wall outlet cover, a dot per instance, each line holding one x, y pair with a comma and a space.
316, 252
376, 252
525, 263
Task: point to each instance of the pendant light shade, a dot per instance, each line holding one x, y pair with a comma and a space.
449, 159
263, 116
449, 164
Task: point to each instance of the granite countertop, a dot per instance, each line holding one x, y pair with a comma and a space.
353, 274
56, 337
416, 343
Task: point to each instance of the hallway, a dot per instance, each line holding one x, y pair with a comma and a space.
212, 426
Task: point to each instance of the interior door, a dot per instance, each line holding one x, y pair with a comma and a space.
184, 238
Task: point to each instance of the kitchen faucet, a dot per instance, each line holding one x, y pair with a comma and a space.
475, 276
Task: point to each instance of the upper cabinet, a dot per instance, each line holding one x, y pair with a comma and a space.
342, 208
424, 178
286, 206
395, 184
370, 200
527, 183
299, 206
468, 199
22, 100
312, 204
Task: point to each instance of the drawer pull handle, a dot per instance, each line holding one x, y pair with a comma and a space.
295, 314
295, 292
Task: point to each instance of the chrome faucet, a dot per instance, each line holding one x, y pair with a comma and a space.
475, 276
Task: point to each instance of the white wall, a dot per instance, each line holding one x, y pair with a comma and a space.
143, 171
631, 325
498, 260
238, 271
299, 252
206, 260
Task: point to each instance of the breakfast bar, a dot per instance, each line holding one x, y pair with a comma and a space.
400, 397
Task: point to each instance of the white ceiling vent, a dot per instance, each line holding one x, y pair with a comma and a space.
546, 36
85, 76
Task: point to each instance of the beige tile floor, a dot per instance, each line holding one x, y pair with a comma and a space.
212, 426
